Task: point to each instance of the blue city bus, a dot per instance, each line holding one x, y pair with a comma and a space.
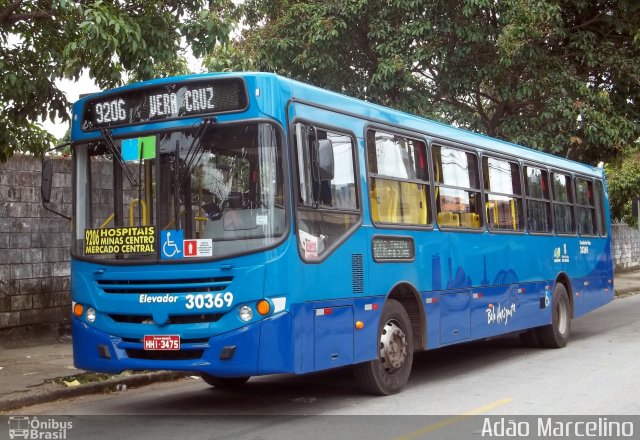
244, 224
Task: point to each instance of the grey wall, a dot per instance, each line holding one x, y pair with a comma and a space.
626, 247
34, 248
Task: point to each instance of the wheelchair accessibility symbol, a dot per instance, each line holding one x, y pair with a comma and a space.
171, 243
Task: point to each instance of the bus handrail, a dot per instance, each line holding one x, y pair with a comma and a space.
145, 214
132, 205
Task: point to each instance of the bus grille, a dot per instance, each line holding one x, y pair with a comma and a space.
178, 355
173, 319
194, 285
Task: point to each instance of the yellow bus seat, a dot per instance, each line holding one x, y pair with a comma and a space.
414, 203
470, 220
492, 214
385, 205
448, 218
375, 207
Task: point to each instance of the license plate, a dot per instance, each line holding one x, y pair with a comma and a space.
162, 342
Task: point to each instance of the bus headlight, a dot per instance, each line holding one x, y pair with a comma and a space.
91, 314
246, 313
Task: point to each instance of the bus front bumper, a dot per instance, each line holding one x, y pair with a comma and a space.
263, 347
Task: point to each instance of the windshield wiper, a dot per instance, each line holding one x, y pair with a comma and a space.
195, 148
180, 173
108, 139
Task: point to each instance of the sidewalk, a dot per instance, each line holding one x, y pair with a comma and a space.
627, 283
35, 374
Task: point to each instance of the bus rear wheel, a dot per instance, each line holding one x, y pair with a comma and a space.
224, 382
389, 372
556, 334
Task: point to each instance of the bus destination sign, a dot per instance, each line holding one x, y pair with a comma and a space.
165, 102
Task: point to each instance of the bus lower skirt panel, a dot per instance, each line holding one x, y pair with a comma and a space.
263, 347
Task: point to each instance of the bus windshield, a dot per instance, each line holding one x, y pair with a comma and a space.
217, 188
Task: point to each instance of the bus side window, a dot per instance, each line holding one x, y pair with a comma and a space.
538, 200
503, 194
458, 200
399, 180
586, 207
600, 212
563, 203
327, 205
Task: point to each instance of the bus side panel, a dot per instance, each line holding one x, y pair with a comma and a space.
455, 316
594, 292
432, 310
333, 333
276, 345
326, 336
596, 288
303, 337
597, 293
365, 340
508, 308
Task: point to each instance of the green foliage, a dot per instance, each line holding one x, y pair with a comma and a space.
623, 178
558, 75
42, 41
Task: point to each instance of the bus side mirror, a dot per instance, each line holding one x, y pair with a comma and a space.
47, 180
325, 159
46, 186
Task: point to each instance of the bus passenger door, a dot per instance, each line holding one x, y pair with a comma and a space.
455, 316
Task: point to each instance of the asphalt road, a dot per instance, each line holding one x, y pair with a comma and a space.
596, 374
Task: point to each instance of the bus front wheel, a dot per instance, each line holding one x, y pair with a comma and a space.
389, 372
224, 382
556, 334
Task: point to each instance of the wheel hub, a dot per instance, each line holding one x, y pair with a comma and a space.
562, 317
393, 346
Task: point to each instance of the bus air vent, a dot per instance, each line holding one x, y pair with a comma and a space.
357, 273
173, 319
131, 319
179, 355
194, 319
194, 285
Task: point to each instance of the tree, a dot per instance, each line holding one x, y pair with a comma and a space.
558, 75
623, 179
45, 40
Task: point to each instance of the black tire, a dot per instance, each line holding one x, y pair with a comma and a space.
556, 334
224, 382
530, 338
384, 376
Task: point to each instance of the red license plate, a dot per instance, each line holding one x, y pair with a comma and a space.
162, 342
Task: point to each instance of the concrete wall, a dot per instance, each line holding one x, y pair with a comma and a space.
626, 247
34, 248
